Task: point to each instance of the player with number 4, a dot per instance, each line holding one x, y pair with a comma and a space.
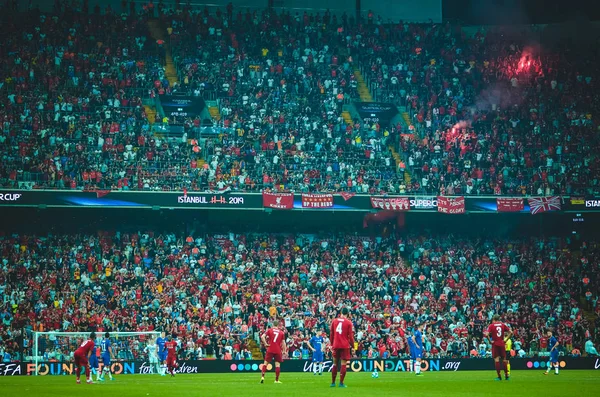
341, 336
499, 333
274, 341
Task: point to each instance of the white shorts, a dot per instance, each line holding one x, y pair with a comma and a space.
154, 360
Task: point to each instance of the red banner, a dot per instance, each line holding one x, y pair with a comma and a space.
391, 203
280, 201
451, 205
347, 195
317, 200
509, 204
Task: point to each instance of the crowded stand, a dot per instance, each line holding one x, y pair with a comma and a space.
218, 292
488, 114
494, 114
71, 104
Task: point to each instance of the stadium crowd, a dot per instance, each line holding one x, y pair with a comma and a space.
493, 114
489, 116
218, 292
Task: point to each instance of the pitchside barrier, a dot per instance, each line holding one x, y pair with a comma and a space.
253, 366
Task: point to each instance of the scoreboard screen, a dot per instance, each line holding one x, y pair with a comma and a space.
182, 106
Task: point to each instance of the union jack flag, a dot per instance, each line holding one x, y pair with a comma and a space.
537, 205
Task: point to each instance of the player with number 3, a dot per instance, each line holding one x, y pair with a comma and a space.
499, 333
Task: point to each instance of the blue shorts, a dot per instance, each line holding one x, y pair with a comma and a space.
162, 356
317, 357
94, 361
415, 353
554, 356
106, 360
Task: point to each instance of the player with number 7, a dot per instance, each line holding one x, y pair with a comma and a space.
274, 341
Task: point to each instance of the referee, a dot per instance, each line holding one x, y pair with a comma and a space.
508, 343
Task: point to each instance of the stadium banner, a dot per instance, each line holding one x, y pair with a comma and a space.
582, 204
391, 203
538, 205
505, 204
280, 201
317, 200
255, 201
121, 199
451, 205
355, 365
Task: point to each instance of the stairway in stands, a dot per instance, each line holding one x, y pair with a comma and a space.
255, 349
365, 96
150, 114
406, 118
363, 89
215, 114
158, 32
347, 117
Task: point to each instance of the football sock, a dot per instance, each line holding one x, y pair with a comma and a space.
333, 373
264, 369
342, 373
315, 368
320, 368
78, 372
497, 363
556, 369
87, 372
508, 367
412, 365
417, 367
505, 368
277, 371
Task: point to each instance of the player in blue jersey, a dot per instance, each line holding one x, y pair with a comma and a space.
316, 346
553, 344
417, 341
162, 353
94, 364
107, 355
411, 350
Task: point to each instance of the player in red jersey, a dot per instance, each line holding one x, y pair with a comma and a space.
342, 339
274, 341
499, 333
171, 348
82, 355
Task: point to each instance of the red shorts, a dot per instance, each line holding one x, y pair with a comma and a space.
274, 356
499, 351
80, 360
172, 361
341, 354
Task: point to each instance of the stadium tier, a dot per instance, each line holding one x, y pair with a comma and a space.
218, 292
87, 101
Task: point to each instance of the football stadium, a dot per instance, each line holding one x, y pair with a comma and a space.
294, 197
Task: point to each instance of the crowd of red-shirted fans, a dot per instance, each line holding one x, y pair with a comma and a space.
217, 292
488, 115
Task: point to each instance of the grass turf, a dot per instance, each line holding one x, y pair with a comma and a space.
476, 383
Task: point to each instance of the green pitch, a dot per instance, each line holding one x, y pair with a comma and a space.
477, 383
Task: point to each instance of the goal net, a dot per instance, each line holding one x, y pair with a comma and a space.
59, 347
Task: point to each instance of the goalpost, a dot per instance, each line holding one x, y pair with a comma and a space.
63, 344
